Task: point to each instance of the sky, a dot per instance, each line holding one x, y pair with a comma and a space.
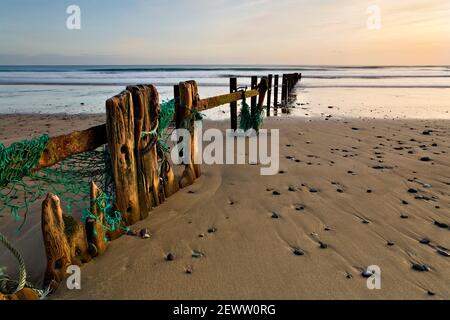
300, 32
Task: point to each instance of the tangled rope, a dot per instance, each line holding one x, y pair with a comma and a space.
11, 287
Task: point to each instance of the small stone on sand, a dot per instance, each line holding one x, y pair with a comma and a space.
212, 230
443, 253
170, 257
197, 254
144, 233
441, 225
420, 267
367, 274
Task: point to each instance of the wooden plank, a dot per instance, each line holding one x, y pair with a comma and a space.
269, 94
213, 102
62, 147
233, 105
146, 115
120, 132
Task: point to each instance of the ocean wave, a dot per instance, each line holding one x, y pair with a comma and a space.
205, 68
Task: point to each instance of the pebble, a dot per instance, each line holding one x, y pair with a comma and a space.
293, 189
431, 293
276, 193
421, 267
425, 241
197, 254
300, 207
275, 215
390, 244
323, 245
212, 230
170, 257
380, 167
367, 274
441, 225
404, 216
144, 233
443, 253
413, 191
313, 190
299, 252
426, 159
189, 269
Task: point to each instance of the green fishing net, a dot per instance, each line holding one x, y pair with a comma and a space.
249, 121
21, 186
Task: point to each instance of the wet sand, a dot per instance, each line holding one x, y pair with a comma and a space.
350, 194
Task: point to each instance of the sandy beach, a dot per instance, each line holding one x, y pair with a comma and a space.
349, 194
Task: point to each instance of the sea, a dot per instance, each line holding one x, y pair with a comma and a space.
381, 92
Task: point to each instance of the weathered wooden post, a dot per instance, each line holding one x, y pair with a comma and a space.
269, 94
275, 95
65, 241
262, 88
233, 105
283, 90
254, 100
121, 143
184, 119
95, 225
288, 91
284, 93
146, 115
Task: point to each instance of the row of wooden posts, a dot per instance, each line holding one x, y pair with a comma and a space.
289, 81
143, 178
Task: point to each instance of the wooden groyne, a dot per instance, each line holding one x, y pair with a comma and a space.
143, 177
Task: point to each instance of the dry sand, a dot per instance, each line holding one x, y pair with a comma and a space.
227, 216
